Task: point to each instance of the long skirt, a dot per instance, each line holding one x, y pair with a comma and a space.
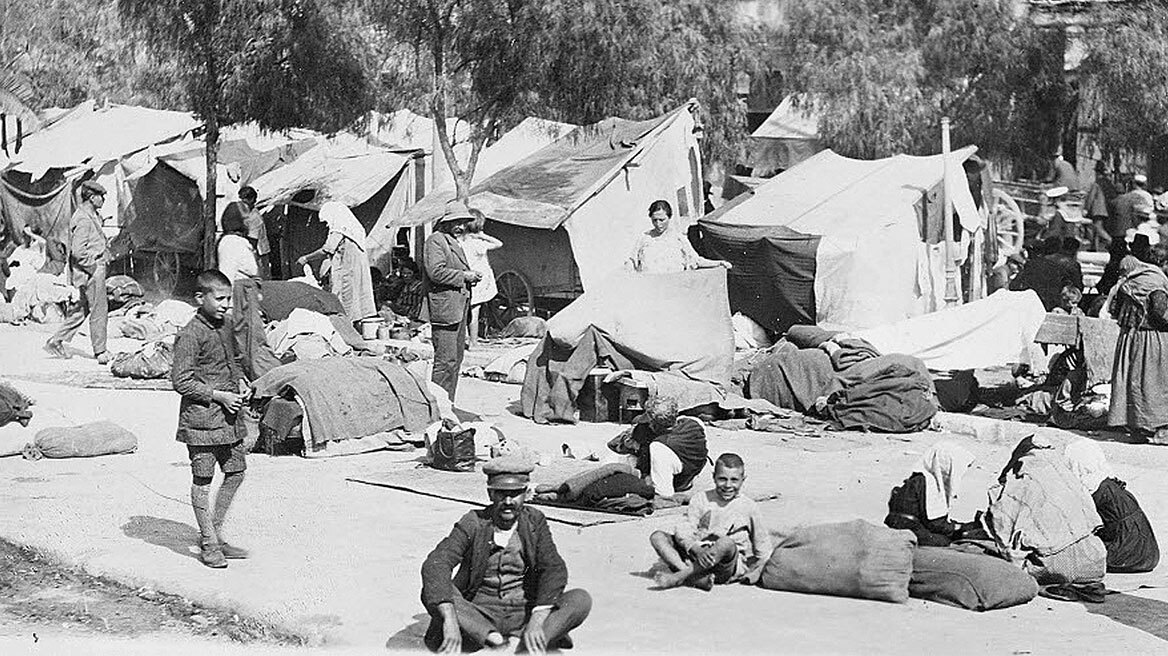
1139, 380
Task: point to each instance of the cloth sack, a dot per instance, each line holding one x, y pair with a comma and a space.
453, 451
850, 559
151, 361
968, 580
99, 438
14, 406
121, 289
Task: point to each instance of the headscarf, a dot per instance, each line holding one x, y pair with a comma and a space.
1088, 463
340, 219
1138, 279
943, 465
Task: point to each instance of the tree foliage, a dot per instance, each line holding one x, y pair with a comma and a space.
882, 73
276, 62
1128, 62
492, 62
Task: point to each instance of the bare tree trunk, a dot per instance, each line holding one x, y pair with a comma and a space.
210, 231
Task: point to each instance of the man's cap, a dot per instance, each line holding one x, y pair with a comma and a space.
456, 210
1140, 178
508, 473
1057, 192
93, 188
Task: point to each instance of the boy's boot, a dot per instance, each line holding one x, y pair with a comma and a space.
223, 500
209, 552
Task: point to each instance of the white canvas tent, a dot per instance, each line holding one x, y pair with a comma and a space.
569, 213
880, 256
788, 136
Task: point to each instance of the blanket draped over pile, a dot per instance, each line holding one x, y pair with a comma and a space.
348, 398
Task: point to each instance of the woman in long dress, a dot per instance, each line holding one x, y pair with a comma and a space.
662, 250
1139, 380
348, 268
237, 258
475, 244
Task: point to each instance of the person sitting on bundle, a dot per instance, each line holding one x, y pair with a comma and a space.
922, 503
669, 451
1127, 534
722, 538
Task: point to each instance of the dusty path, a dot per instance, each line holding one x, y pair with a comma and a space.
336, 563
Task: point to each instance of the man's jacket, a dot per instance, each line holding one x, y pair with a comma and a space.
445, 270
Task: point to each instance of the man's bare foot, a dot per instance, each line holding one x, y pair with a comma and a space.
494, 639
703, 582
667, 580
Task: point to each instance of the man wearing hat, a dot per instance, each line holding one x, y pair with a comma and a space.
1131, 208
447, 280
88, 255
1058, 227
510, 580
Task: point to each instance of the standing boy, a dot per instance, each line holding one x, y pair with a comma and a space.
209, 376
722, 537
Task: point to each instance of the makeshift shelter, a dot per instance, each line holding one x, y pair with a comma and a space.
569, 214
655, 322
842, 242
38, 181
377, 183
788, 136
524, 139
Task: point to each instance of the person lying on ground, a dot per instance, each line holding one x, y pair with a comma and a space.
208, 373
1127, 533
923, 502
510, 579
722, 538
669, 451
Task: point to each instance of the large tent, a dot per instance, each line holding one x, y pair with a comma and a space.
844, 242
788, 136
569, 213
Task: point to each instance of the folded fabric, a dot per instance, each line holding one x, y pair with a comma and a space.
807, 337
301, 323
967, 580
570, 489
616, 486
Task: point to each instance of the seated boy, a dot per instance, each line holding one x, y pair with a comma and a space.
722, 537
208, 374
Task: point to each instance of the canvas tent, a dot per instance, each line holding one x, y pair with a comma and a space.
842, 242
788, 136
530, 135
569, 213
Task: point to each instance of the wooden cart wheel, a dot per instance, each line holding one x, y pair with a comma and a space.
1010, 223
516, 298
166, 272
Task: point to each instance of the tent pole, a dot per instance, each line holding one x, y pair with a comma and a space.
952, 296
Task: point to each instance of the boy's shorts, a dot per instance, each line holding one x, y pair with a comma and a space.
232, 458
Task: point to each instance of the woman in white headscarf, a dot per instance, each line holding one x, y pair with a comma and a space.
348, 264
922, 503
1127, 534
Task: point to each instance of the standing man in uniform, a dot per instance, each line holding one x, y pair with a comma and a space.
87, 259
447, 281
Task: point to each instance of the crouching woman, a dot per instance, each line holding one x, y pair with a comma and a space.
510, 580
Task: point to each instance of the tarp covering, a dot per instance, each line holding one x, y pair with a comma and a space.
92, 136
597, 182
676, 322
773, 279
45, 206
529, 136
787, 137
871, 263
166, 213
994, 331
349, 172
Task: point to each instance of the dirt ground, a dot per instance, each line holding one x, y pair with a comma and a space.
336, 563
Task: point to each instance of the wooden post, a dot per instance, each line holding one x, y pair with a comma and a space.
952, 285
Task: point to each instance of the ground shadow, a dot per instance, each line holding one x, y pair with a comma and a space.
176, 536
466, 415
515, 407
1147, 615
410, 637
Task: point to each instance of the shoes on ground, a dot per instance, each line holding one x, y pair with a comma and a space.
233, 552
102, 358
56, 349
212, 556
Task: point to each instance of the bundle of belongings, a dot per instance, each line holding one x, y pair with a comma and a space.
614, 488
35, 285
15, 406
154, 325
845, 380
98, 438
339, 406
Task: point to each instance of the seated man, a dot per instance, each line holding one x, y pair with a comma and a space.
510, 579
670, 451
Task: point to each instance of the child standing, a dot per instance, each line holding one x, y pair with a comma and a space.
208, 374
722, 537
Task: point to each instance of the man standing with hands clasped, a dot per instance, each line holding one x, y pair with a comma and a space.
510, 579
447, 281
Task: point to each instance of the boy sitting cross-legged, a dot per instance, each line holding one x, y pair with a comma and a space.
722, 537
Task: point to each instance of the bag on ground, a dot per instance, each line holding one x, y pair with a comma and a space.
151, 361
968, 580
850, 559
99, 438
453, 451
